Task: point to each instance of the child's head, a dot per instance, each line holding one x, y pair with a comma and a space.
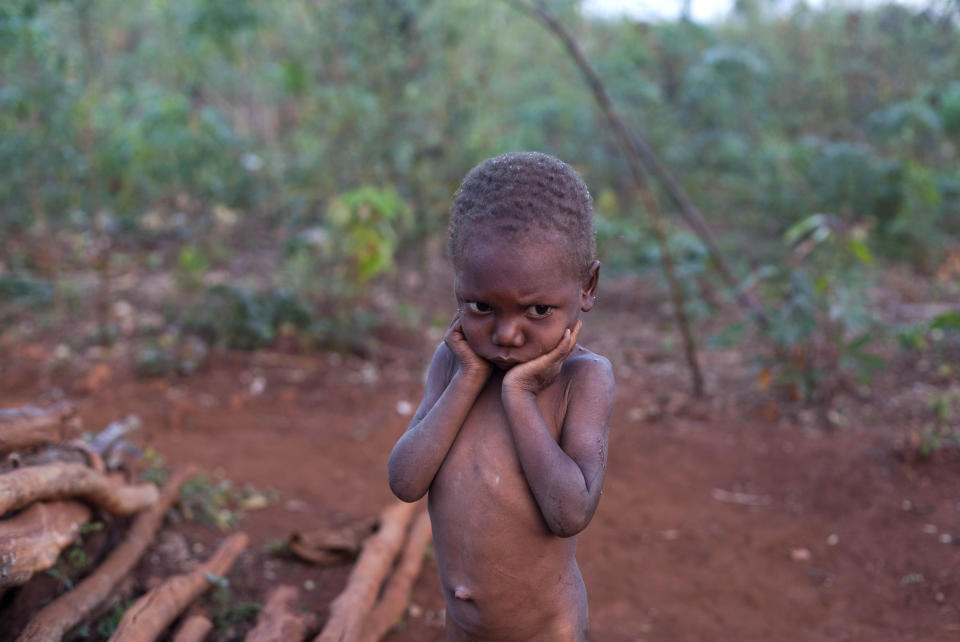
522, 244
522, 194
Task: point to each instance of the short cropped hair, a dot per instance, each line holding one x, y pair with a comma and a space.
519, 192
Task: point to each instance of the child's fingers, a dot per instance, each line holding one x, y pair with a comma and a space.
575, 333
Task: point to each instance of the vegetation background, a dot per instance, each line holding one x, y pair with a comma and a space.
181, 178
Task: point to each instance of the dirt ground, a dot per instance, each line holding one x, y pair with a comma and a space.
723, 519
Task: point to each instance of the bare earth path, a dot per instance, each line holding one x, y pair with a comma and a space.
714, 525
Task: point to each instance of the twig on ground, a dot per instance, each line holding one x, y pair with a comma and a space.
396, 594
279, 621
155, 611
349, 609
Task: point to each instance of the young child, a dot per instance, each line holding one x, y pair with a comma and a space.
511, 436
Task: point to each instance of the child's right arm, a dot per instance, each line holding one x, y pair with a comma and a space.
456, 377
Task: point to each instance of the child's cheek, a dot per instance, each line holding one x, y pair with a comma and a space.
472, 336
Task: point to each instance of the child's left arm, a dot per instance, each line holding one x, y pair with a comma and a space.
566, 477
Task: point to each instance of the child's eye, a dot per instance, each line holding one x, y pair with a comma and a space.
539, 311
478, 306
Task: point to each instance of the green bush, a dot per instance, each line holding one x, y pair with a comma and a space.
821, 326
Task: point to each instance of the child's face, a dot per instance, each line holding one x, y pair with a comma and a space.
517, 298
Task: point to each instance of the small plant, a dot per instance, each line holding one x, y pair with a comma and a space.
21, 293
192, 265
156, 470
820, 326
943, 433
227, 612
239, 318
217, 502
108, 624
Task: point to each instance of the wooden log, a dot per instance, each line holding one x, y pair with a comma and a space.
32, 426
396, 594
69, 452
194, 629
326, 547
155, 611
32, 540
348, 610
61, 615
279, 621
64, 480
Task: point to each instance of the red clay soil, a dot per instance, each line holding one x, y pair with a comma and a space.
716, 522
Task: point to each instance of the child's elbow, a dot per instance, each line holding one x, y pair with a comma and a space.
402, 486
568, 525
404, 492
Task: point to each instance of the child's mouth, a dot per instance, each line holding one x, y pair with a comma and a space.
503, 363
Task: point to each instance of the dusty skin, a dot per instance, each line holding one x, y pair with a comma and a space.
510, 440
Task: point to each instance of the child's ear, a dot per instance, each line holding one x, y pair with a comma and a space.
589, 292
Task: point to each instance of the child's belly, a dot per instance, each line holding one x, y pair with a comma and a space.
499, 564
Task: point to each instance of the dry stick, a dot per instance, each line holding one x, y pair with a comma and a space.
155, 611
32, 540
279, 621
74, 451
65, 480
32, 426
396, 594
193, 629
643, 157
61, 615
676, 291
632, 147
350, 608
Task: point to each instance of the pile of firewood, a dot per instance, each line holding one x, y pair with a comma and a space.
52, 483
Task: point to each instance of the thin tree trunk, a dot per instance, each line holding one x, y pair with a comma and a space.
642, 158
639, 157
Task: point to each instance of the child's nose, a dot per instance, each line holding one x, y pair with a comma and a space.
508, 333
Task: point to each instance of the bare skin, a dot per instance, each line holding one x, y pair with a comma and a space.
510, 440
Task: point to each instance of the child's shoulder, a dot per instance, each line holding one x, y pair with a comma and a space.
583, 363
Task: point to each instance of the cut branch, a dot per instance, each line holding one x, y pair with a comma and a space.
32, 541
194, 629
65, 480
32, 426
73, 451
61, 615
350, 608
155, 611
396, 594
279, 621
327, 547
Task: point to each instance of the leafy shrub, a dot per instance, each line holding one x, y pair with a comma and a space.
911, 123
820, 325
21, 292
238, 318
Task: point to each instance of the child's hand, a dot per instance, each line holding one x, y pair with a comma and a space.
536, 374
471, 364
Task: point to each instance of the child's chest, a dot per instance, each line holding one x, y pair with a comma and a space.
483, 454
